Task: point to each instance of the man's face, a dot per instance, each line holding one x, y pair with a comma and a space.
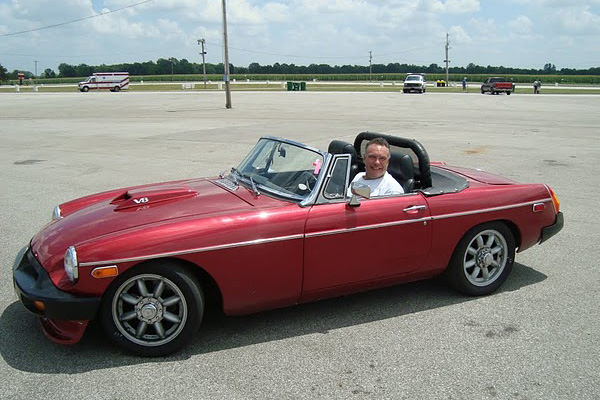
376, 161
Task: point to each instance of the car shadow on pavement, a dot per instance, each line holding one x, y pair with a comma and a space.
24, 347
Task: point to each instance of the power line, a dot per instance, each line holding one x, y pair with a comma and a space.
76, 20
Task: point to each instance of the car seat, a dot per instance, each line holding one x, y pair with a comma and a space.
341, 147
402, 169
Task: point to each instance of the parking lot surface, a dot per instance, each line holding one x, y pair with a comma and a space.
537, 338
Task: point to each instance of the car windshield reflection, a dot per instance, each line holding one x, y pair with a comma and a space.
280, 168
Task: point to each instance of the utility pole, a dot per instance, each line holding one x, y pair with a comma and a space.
447, 60
35, 68
370, 67
202, 41
226, 77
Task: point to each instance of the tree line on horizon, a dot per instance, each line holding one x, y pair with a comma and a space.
173, 66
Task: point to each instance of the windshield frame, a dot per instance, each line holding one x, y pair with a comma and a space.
303, 201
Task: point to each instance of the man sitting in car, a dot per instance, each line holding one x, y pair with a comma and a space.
376, 159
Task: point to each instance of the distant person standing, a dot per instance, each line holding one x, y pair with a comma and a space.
536, 86
464, 84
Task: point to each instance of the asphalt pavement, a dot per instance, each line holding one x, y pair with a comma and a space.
536, 338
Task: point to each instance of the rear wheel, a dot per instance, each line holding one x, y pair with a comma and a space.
482, 260
116, 89
154, 310
508, 93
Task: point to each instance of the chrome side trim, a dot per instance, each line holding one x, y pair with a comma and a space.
365, 227
309, 235
492, 209
197, 250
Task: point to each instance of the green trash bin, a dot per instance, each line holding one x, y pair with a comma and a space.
296, 86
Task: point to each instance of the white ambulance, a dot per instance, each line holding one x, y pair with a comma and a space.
113, 81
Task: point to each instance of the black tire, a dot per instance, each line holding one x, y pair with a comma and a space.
482, 91
482, 260
149, 324
405, 91
508, 93
85, 89
117, 89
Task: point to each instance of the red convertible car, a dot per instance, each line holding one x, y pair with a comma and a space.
276, 231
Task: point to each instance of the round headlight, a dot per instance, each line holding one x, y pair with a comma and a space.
71, 264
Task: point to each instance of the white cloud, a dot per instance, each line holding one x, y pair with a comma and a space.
459, 35
522, 25
579, 20
451, 6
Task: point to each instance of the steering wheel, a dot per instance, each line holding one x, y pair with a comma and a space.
307, 179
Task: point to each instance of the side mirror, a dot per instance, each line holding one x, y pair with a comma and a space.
361, 190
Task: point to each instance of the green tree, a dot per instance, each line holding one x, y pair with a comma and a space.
49, 73
67, 71
549, 68
3, 73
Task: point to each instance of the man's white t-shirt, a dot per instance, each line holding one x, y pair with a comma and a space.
384, 186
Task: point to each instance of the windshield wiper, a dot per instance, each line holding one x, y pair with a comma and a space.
234, 171
254, 187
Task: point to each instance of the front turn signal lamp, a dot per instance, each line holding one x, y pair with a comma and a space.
105, 272
555, 201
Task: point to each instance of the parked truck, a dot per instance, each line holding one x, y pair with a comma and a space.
497, 85
113, 81
415, 82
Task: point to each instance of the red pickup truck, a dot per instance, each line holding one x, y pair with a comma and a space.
497, 85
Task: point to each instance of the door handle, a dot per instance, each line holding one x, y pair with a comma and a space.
414, 208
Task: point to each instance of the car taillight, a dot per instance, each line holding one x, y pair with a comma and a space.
555, 200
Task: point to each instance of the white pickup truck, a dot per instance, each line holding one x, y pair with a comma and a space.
414, 82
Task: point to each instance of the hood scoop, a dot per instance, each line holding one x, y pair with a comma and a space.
148, 196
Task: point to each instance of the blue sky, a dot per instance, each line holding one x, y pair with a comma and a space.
517, 33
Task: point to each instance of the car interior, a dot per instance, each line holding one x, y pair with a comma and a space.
409, 165
400, 166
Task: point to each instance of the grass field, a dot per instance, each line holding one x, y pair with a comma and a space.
313, 87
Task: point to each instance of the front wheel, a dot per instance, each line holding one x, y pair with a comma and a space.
154, 310
85, 89
482, 260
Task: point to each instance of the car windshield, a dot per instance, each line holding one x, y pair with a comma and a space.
280, 168
413, 78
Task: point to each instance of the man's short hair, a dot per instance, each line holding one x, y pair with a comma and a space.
380, 141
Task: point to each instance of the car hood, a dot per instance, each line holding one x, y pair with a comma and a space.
106, 213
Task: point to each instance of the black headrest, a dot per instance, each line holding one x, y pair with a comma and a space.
341, 147
401, 166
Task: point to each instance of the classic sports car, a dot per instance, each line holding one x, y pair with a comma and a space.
276, 231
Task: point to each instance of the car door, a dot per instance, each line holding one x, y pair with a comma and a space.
382, 237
